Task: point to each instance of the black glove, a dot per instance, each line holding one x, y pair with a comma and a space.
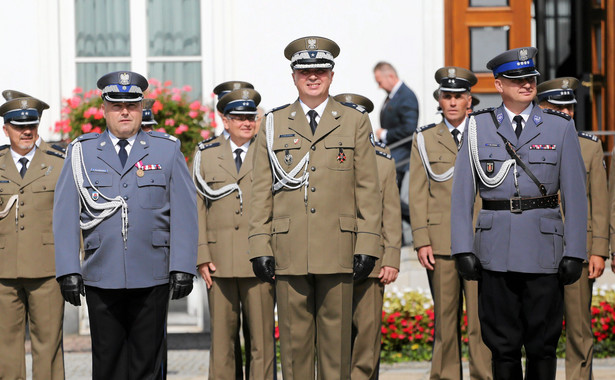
363, 265
570, 269
71, 286
468, 266
181, 284
264, 268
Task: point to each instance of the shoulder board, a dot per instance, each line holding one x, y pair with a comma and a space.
426, 127
52, 153
162, 135
484, 110
354, 106
58, 148
588, 136
278, 108
376, 143
383, 154
207, 140
5, 146
558, 113
202, 145
87, 136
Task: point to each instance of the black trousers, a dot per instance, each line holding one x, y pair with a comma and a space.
520, 309
128, 329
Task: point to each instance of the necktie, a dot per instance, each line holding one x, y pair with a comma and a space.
383, 109
238, 161
23, 161
123, 154
518, 119
312, 114
456, 134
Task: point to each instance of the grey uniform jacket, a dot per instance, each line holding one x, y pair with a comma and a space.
162, 217
531, 241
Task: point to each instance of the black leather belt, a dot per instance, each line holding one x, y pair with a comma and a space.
518, 205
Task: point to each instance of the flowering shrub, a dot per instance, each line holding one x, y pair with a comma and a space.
408, 325
189, 121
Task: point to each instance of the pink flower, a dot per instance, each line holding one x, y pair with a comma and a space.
59, 125
195, 106
213, 124
99, 114
176, 90
77, 90
193, 114
86, 128
96, 130
168, 83
154, 82
176, 97
187, 88
212, 95
162, 130
89, 112
181, 129
169, 122
205, 109
212, 116
73, 102
66, 126
205, 134
156, 107
66, 110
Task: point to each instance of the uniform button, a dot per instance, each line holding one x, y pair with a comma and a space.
313, 147
44, 187
125, 197
125, 185
313, 168
21, 203
313, 210
237, 212
236, 228
313, 189
543, 158
490, 155
21, 228
96, 182
21, 191
339, 143
151, 180
1, 190
285, 145
518, 174
237, 196
21, 215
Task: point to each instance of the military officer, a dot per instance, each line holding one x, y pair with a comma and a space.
367, 295
432, 163
558, 94
131, 194
320, 220
515, 156
223, 175
147, 119
29, 169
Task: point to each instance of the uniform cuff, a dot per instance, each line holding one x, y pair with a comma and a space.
368, 244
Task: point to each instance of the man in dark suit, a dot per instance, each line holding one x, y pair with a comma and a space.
398, 117
129, 195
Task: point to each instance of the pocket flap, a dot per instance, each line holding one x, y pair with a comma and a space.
286, 143
152, 179
281, 225
92, 241
435, 218
161, 238
98, 180
47, 238
551, 226
493, 154
215, 177
41, 187
348, 223
485, 221
339, 142
540, 156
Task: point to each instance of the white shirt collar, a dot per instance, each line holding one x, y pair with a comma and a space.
525, 114
130, 140
320, 109
461, 127
234, 146
394, 89
30, 155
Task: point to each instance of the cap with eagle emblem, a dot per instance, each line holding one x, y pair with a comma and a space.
21, 110
455, 79
239, 102
359, 100
514, 63
122, 86
558, 90
312, 53
226, 87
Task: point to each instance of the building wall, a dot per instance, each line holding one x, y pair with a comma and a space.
243, 41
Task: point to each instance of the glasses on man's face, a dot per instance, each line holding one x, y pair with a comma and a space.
242, 118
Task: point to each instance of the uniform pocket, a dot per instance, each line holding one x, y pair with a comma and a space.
91, 262
482, 240
543, 164
280, 243
340, 152
552, 231
44, 195
161, 241
347, 240
152, 190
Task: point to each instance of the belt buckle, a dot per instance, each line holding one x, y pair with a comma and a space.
513, 209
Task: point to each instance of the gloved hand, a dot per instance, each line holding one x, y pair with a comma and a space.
71, 286
363, 266
570, 269
264, 268
468, 266
180, 284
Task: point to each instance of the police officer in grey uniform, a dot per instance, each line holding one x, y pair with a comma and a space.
518, 157
130, 196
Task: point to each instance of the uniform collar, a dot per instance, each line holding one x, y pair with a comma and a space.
461, 127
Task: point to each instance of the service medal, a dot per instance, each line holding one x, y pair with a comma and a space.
140, 173
288, 159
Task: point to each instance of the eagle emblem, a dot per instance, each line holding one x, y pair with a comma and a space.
523, 55
124, 79
452, 73
311, 43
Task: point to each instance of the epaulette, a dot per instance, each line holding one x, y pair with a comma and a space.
558, 113
5, 146
376, 143
52, 153
162, 135
357, 107
426, 127
588, 136
203, 144
277, 108
87, 136
59, 148
384, 154
484, 110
